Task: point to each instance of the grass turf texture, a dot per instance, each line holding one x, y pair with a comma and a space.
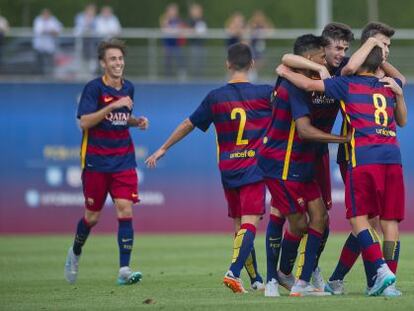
181, 272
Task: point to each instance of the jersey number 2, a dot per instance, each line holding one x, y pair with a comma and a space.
242, 124
380, 104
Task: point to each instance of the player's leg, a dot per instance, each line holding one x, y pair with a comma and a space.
123, 190
256, 280
95, 185
379, 276
362, 196
285, 203
392, 214
273, 243
391, 251
242, 247
290, 244
323, 179
317, 214
250, 206
349, 254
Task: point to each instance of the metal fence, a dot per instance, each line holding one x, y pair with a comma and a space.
196, 58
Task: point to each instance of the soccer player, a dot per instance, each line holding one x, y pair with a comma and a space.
108, 157
373, 34
324, 111
288, 163
240, 112
374, 182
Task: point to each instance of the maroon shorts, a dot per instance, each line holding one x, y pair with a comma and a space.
120, 185
323, 179
291, 197
375, 190
246, 200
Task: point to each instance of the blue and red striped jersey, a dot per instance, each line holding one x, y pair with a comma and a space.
106, 147
369, 110
325, 109
284, 155
241, 113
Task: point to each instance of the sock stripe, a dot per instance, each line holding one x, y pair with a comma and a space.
291, 237
249, 227
315, 233
301, 260
348, 257
237, 244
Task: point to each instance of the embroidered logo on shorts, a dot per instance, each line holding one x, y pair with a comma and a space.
90, 201
301, 202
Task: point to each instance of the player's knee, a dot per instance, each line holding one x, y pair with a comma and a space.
92, 218
123, 207
302, 228
299, 228
318, 222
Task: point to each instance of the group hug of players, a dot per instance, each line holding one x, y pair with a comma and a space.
274, 137
277, 137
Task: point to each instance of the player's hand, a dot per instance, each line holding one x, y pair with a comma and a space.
123, 102
324, 73
393, 85
151, 161
281, 70
142, 123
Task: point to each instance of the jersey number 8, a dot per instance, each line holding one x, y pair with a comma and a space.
380, 104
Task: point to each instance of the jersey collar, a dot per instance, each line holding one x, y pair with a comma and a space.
105, 81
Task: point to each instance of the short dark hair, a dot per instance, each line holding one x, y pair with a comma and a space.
110, 44
338, 31
373, 60
373, 28
240, 56
308, 43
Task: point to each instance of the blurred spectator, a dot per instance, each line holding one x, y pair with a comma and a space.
235, 28
4, 29
171, 24
257, 26
107, 24
46, 29
198, 26
85, 28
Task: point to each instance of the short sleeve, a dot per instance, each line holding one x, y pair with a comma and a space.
299, 102
89, 100
336, 87
203, 116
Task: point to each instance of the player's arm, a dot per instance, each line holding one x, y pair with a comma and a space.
400, 110
307, 131
300, 62
391, 71
358, 58
141, 122
300, 80
91, 119
179, 133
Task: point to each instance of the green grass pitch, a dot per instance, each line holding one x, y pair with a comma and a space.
181, 272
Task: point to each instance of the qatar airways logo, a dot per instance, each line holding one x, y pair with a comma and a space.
118, 118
